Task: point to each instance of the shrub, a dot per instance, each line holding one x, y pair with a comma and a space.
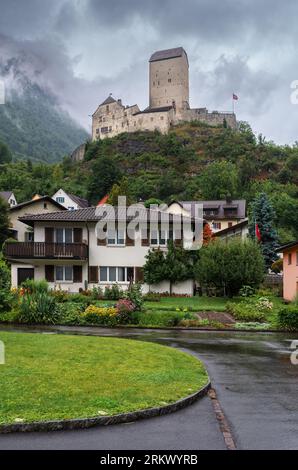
6, 297
60, 295
38, 307
134, 294
107, 316
125, 307
250, 309
247, 291
34, 287
113, 292
97, 293
287, 318
152, 297
230, 266
71, 313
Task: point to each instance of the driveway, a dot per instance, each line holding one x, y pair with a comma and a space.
255, 382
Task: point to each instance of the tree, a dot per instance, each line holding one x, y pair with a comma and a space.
208, 235
4, 221
219, 180
262, 215
154, 268
174, 266
5, 295
230, 266
5, 153
121, 189
104, 173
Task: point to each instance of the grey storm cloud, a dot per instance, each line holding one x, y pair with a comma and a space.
82, 50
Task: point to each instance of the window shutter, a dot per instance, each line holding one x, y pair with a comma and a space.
49, 273
77, 235
49, 235
93, 274
77, 274
145, 238
129, 241
139, 274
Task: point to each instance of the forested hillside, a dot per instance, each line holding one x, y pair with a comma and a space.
194, 161
33, 126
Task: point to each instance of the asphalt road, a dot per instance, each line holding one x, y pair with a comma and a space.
255, 382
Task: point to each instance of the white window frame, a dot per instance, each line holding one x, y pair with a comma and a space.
108, 281
166, 237
60, 199
63, 267
116, 237
63, 228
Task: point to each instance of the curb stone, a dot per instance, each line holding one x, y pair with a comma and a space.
84, 423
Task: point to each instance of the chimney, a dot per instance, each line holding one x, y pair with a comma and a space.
120, 102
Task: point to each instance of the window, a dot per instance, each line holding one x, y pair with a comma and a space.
159, 237
64, 273
230, 224
97, 131
116, 237
297, 258
169, 80
116, 274
290, 258
104, 130
45, 206
60, 199
29, 236
216, 225
64, 235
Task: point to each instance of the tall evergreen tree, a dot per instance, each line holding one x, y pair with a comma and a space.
261, 228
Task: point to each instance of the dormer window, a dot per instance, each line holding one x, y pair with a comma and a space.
108, 108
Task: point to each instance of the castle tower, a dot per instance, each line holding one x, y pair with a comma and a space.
169, 80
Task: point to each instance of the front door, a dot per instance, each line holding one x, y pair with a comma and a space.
24, 274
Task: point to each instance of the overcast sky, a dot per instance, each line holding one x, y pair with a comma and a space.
83, 50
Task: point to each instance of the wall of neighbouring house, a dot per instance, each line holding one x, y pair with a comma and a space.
290, 272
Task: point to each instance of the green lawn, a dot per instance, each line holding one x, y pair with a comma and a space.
50, 376
191, 303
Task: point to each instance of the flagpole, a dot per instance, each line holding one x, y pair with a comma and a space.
233, 104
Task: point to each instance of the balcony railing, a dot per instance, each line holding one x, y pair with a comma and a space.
46, 250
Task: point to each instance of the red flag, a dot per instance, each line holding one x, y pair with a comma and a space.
235, 97
258, 233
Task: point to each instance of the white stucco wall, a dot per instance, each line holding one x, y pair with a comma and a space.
68, 202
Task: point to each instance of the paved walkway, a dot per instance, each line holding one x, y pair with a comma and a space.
255, 383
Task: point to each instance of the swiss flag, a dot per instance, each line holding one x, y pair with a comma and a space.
258, 233
235, 97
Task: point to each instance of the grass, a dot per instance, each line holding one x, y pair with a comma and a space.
194, 304
48, 377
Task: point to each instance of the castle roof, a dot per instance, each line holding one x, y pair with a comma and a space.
167, 54
162, 109
109, 100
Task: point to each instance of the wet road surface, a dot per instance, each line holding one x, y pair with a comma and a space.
255, 382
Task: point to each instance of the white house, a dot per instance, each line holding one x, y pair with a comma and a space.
9, 197
70, 201
70, 254
37, 205
220, 214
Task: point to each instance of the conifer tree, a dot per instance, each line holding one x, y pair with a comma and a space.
262, 228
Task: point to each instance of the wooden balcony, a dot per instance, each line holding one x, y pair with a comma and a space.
43, 250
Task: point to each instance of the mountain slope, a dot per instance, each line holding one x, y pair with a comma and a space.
34, 126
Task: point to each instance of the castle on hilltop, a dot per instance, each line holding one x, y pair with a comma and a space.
168, 101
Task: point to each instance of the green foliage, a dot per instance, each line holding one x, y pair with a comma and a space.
219, 180
33, 126
114, 292
230, 266
104, 173
287, 317
156, 318
36, 287
246, 291
250, 309
263, 214
5, 294
4, 221
120, 190
153, 269
38, 308
134, 294
5, 153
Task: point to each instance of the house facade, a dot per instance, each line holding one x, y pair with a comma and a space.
68, 252
9, 197
39, 205
239, 230
220, 214
290, 270
71, 202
